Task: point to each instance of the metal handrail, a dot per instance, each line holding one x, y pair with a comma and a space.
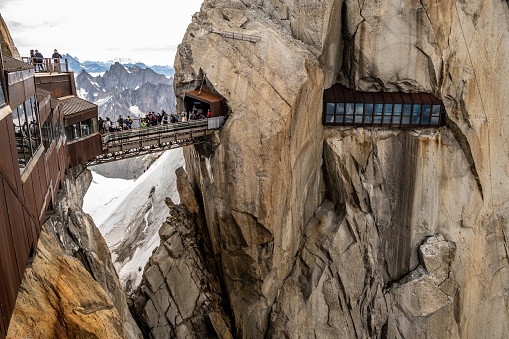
146, 132
48, 65
237, 36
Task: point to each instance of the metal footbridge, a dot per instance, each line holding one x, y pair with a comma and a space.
140, 141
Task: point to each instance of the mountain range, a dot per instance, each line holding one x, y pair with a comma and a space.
124, 90
75, 65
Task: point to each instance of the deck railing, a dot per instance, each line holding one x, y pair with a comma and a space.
48, 65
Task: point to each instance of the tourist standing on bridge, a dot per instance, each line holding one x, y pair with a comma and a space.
159, 118
209, 115
107, 125
129, 122
120, 122
165, 118
101, 125
153, 119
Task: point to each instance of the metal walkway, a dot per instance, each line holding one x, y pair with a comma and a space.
140, 141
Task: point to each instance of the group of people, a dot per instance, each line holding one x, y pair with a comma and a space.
150, 119
153, 119
106, 125
195, 115
38, 60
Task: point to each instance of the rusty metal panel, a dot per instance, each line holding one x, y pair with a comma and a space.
34, 177
42, 176
29, 85
28, 191
16, 94
85, 150
3, 331
9, 275
14, 152
7, 161
18, 231
73, 83
31, 230
59, 85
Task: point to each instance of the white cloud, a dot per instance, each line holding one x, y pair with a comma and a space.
147, 31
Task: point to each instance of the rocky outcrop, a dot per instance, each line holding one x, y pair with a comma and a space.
59, 299
261, 180
90, 283
178, 296
6, 42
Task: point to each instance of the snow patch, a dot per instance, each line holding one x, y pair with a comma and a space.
82, 93
102, 101
129, 213
136, 111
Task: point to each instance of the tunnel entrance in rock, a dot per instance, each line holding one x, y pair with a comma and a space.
202, 100
346, 107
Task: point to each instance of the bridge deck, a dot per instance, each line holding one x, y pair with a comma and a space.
135, 142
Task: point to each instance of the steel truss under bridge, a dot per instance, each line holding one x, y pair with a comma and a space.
132, 143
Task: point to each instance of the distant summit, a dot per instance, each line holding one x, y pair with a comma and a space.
100, 67
125, 90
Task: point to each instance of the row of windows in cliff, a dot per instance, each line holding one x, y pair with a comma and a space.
345, 107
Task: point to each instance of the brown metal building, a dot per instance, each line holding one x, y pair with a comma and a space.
81, 129
37, 147
203, 100
33, 161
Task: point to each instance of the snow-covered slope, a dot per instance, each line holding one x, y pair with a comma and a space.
129, 213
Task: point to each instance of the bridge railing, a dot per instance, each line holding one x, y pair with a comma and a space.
48, 65
146, 132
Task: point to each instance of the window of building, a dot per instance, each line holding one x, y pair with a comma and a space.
345, 107
26, 130
82, 129
48, 131
21, 134
33, 123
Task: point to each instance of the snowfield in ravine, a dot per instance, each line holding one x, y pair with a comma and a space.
129, 213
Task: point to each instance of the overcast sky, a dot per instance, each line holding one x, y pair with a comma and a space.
100, 30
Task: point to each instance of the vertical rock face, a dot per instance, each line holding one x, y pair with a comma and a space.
74, 263
179, 296
411, 240
8, 47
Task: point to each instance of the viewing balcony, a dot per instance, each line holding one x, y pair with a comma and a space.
53, 75
48, 65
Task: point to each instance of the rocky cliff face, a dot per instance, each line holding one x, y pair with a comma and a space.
73, 289
8, 47
354, 232
180, 297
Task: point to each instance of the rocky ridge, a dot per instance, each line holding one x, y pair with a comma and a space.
394, 194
